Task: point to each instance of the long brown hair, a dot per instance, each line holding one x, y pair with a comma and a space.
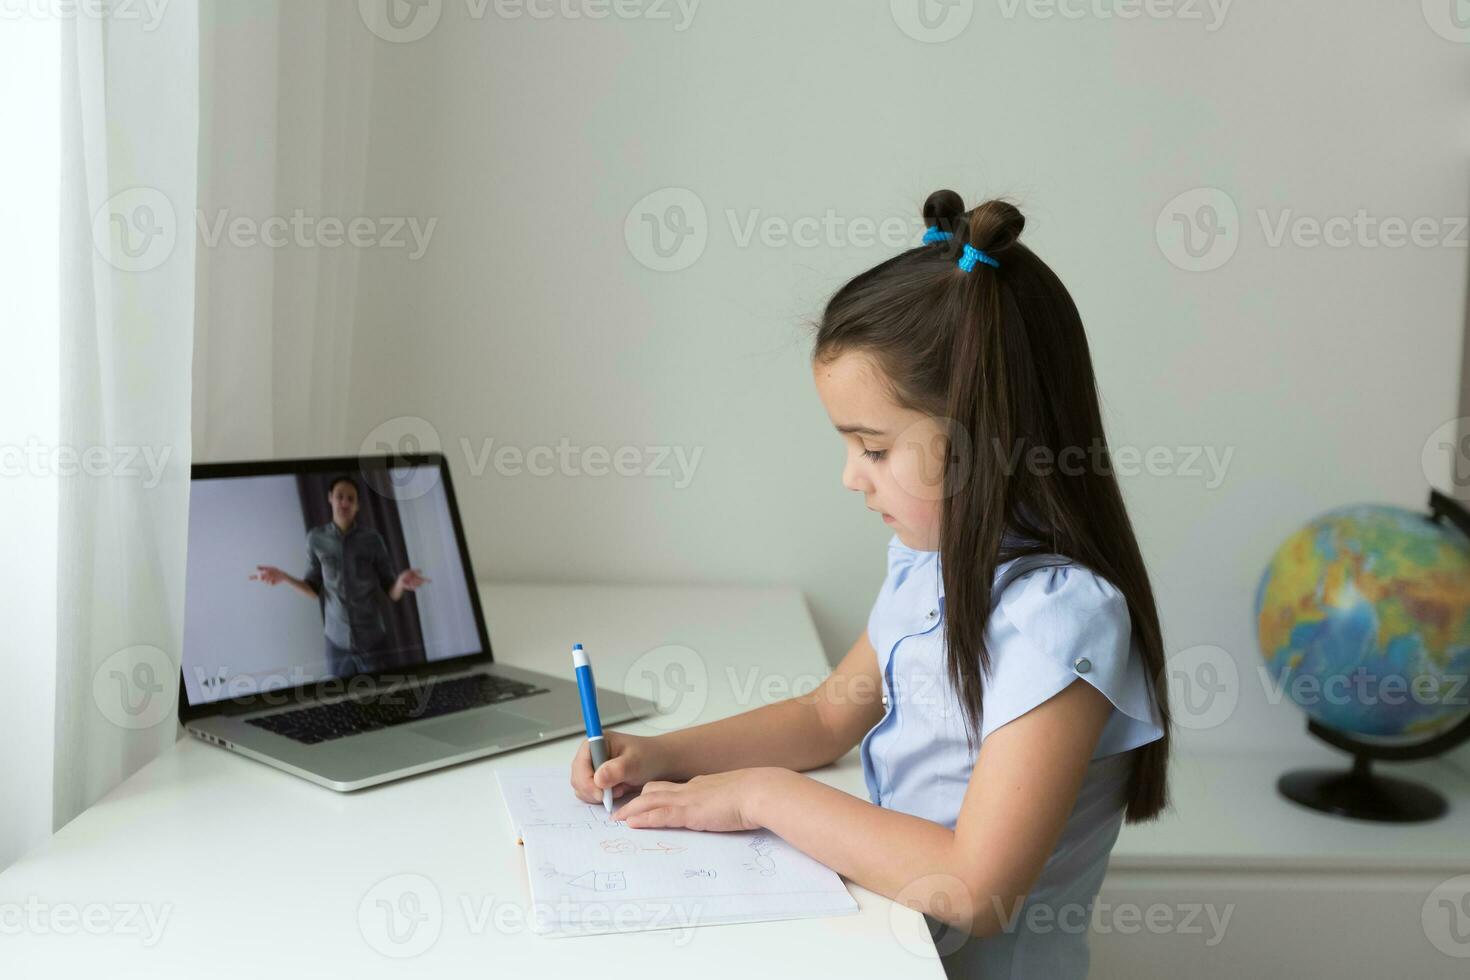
1000, 355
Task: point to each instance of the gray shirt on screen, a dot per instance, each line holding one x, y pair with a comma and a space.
351, 570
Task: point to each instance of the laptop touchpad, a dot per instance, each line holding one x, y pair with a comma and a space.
483, 728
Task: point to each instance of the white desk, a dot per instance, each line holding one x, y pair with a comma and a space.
259, 872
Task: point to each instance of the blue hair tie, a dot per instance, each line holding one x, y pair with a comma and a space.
932, 235
971, 255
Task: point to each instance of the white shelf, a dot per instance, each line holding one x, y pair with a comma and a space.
1228, 815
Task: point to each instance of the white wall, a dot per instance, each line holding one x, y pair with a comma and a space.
530, 320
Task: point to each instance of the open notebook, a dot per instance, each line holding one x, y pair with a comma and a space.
592, 874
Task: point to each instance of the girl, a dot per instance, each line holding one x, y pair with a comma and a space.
959, 377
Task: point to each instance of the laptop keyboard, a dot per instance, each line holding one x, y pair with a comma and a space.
322, 722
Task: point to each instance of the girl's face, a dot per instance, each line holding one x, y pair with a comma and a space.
895, 455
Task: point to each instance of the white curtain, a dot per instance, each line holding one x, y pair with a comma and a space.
172, 340
129, 135
29, 281
285, 90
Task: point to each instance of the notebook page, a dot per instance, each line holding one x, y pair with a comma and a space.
589, 873
542, 796
620, 879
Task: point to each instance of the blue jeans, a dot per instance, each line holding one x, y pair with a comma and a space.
342, 662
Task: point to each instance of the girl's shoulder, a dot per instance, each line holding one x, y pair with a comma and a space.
1062, 622
1045, 591
1054, 610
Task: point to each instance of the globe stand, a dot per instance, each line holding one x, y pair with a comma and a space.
1357, 792
1360, 794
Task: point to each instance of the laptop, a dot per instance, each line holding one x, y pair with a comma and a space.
332, 627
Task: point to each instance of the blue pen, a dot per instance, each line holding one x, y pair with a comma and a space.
596, 744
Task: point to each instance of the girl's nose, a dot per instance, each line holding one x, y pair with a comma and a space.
853, 477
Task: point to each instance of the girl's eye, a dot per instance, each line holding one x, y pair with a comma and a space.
875, 454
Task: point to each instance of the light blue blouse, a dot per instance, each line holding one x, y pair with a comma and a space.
1052, 622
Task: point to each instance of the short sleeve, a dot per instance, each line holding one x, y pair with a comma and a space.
313, 576
1061, 623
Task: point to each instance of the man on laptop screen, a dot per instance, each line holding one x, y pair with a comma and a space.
349, 564
374, 663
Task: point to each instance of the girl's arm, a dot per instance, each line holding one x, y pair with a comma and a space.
799, 733
1023, 787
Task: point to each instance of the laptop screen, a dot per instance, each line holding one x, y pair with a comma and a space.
300, 577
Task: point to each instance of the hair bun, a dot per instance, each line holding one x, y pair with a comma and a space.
944, 210
995, 226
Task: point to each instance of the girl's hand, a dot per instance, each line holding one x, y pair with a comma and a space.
721, 801
632, 760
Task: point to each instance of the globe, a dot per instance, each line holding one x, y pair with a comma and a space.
1363, 617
